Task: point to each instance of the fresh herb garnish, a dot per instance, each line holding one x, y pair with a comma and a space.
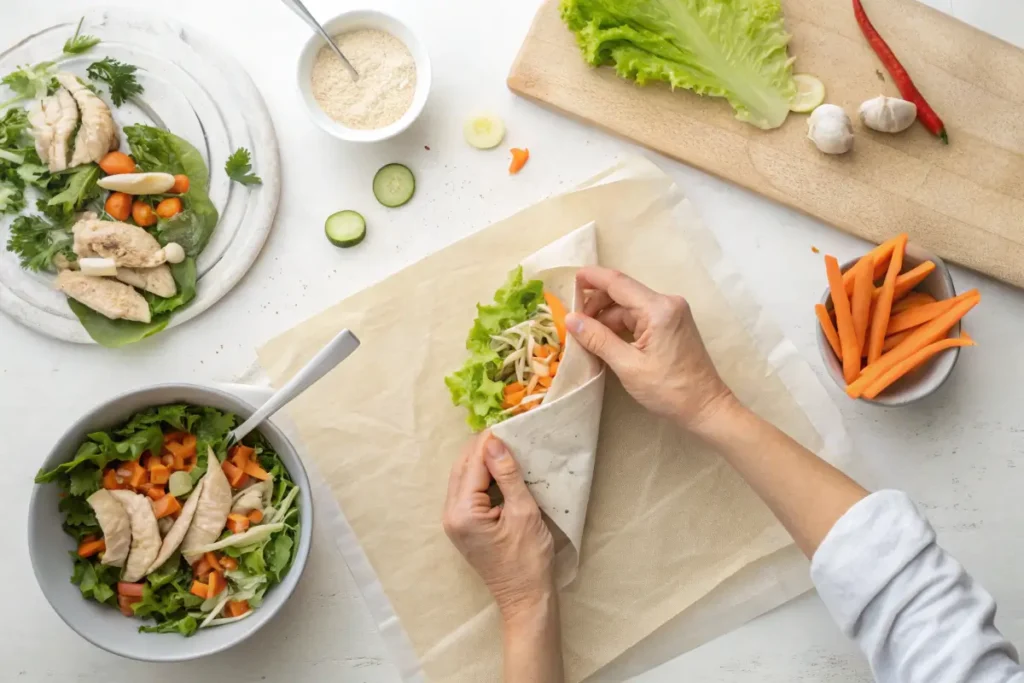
238, 168
118, 76
36, 242
77, 44
29, 82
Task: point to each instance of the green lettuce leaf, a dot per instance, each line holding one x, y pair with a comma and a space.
96, 581
736, 49
474, 385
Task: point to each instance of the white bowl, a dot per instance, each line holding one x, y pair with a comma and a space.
105, 626
351, 21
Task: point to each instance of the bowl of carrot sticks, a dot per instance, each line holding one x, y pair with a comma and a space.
889, 323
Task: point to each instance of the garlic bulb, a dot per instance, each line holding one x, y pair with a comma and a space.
888, 114
830, 129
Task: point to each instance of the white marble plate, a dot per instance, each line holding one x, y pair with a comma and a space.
197, 93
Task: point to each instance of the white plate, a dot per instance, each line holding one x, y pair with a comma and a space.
195, 92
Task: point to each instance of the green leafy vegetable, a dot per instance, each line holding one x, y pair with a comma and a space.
77, 44
474, 386
36, 242
239, 167
736, 49
114, 334
13, 142
79, 188
12, 200
29, 82
95, 580
184, 274
118, 76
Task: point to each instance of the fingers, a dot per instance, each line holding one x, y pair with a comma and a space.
475, 477
618, 319
505, 470
597, 301
459, 467
622, 289
599, 340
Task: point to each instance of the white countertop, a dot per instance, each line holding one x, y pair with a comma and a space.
960, 453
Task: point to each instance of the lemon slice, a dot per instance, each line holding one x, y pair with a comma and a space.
484, 131
810, 92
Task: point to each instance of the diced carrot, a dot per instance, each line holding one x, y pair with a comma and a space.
881, 256
158, 474
156, 492
110, 481
167, 460
211, 559
557, 314
185, 449
201, 568
236, 608
228, 563
844, 320
168, 505
217, 584
926, 334
241, 454
146, 460
236, 477
237, 523
553, 367
860, 302
513, 399
174, 436
913, 362
139, 475
825, 320
519, 159
918, 315
200, 589
544, 382
125, 602
90, 548
883, 307
132, 590
253, 469
513, 388
255, 516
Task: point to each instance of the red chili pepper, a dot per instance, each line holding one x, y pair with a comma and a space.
907, 89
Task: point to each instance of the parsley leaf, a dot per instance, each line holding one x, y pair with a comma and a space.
12, 200
79, 188
95, 580
118, 76
29, 82
238, 168
77, 511
36, 242
84, 481
77, 44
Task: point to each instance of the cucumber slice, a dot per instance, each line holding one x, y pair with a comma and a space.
345, 228
810, 92
394, 185
484, 131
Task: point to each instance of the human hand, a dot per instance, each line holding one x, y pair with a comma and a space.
666, 368
509, 546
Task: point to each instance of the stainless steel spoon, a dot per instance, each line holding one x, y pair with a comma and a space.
301, 10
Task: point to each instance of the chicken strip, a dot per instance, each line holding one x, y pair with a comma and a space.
44, 121
129, 245
157, 280
52, 125
107, 297
97, 135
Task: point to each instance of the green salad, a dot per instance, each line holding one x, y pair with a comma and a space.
172, 525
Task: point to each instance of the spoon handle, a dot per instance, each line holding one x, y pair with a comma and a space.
300, 9
337, 350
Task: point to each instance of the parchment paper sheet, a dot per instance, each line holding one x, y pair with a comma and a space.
668, 522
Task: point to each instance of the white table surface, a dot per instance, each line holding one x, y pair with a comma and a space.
960, 453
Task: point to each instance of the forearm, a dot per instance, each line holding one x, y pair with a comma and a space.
804, 492
533, 644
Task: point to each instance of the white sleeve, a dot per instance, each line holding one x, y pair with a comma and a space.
913, 610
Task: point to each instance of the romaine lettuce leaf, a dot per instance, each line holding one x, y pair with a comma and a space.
474, 386
736, 49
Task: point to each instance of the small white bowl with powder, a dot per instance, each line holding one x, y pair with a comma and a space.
394, 81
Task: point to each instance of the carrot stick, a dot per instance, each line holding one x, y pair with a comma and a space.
829, 329
911, 300
860, 302
894, 340
906, 282
913, 362
844, 320
880, 255
929, 333
557, 314
519, 159
883, 307
918, 315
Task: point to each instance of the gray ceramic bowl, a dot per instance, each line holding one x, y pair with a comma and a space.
105, 626
924, 380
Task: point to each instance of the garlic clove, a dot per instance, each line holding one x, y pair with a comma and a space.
887, 114
830, 129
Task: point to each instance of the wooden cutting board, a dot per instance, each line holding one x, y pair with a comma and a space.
964, 201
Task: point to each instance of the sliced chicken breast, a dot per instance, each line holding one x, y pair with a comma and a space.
107, 297
129, 245
157, 280
97, 135
66, 125
44, 120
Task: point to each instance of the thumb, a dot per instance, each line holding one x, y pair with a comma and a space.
505, 470
598, 339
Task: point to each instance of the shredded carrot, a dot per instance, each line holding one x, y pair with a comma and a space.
166, 506
929, 333
513, 388
825, 320
519, 159
844, 320
200, 590
883, 307
545, 382
906, 282
513, 399
880, 255
90, 548
918, 315
255, 516
553, 367
912, 363
542, 351
557, 314
237, 523
860, 302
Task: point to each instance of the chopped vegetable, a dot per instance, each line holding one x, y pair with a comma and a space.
883, 307
844, 320
345, 228
78, 43
254, 470
143, 214
117, 163
159, 474
90, 548
239, 167
168, 208
906, 282
211, 559
179, 483
228, 563
236, 608
484, 131
155, 492
255, 516
860, 302
253, 535
810, 92
829, 329
912, 300
200, 590
880, 255
217, 584
900, 77
236, 476
917, 315
893, 340
519, 159
237, 523
133, 590
557, 315
119, 206
166, 506
118, 76
140, 183
181, 184
912, 363
36, 242
394, 185
29, 82
240, 454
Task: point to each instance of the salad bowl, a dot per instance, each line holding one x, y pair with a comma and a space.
105, 626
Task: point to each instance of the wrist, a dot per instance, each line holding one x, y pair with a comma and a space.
529, 613
718, 417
